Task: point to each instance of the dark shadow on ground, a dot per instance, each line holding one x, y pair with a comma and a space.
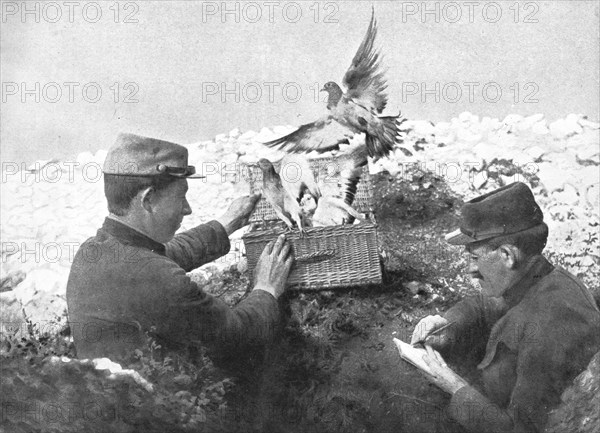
335, 367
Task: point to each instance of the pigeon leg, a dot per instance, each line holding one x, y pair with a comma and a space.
302, 232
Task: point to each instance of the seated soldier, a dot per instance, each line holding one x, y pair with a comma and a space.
539, 324
130, 279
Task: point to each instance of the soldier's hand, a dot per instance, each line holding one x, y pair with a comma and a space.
238, 213
442, 375
273, 267
425, 327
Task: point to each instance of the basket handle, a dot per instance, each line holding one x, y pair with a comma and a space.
316, 256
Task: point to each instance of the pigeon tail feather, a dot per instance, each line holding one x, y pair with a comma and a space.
382, 143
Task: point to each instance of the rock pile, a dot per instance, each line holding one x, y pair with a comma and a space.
50, 208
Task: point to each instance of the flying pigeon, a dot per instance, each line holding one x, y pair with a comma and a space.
350, 164
356, 111
285, 206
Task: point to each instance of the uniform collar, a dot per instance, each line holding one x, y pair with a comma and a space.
130, 236
536, 269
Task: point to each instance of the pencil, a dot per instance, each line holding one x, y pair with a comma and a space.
440, 329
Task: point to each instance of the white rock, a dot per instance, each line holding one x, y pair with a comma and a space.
591, 195
444, 140
487, 151
390, 165
214, 146
512, 120
41, 280
521, 158
221, 137
590, 154
550, 177
468, 136
540, 128
529, 121
229, 159
442, 127
265, 134
573, 118
587, 261
490, 124
562, 128
423, 128
589, 124
247, 136
479, 179
535, 152
568, 195
234, 133
467, 117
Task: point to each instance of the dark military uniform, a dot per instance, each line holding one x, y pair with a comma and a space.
122, 284
540, 335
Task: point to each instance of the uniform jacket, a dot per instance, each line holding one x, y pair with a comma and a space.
123, 284
540, 335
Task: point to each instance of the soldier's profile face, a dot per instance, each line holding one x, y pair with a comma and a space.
171, 207
486, 266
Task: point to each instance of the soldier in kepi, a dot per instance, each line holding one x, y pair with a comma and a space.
129, 281
537, 325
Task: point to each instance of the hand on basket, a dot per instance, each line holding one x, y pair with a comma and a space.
239, 212
273, 267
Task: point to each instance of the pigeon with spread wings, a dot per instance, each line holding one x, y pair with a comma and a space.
354, 112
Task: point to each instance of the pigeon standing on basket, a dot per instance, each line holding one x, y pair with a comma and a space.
332, 211
354, 112
298, 178
285, 206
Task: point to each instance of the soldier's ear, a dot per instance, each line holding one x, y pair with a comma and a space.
147, 197
510, 256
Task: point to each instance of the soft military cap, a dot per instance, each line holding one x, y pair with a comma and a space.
138, 156
507, 210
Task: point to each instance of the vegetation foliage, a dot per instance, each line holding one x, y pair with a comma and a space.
333, 367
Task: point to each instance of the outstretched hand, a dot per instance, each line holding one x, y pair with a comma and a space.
273, 267
238, 213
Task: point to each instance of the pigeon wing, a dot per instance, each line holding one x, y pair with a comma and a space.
363, 79
323, 135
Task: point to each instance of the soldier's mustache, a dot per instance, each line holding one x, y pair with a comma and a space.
476, 275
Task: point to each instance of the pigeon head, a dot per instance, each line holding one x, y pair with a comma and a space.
335, 93
265, 165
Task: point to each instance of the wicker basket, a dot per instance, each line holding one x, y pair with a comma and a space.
323, 168
327, 257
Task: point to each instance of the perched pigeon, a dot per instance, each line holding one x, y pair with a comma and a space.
298, 178
353, 112
333, 211
285, 206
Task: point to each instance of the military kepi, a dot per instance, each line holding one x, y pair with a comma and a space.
507, 210
138, 156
